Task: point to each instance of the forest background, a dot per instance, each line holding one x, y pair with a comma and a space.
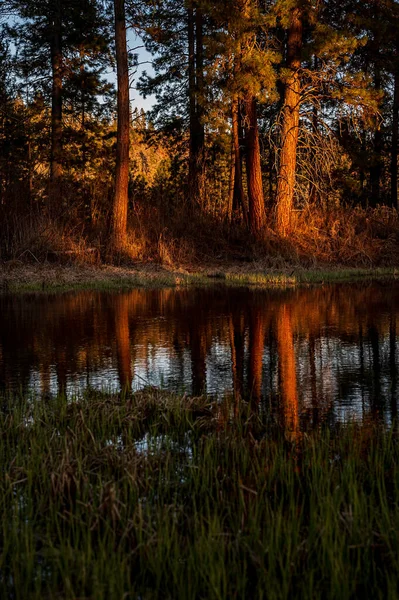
273, 135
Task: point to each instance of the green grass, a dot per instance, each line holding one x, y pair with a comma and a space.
59, 282
261, 279
155, 496
309, 276
107, 284
342, 275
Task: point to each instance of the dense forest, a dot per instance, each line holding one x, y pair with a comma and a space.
274, 133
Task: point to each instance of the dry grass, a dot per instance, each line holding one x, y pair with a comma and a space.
341, 237
350, 237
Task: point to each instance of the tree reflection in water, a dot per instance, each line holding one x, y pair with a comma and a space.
310, 354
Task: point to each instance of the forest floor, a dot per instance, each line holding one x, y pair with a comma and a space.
16, 276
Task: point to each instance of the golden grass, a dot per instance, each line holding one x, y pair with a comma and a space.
348, 237
329, 245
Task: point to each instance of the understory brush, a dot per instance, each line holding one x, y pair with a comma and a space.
349, 237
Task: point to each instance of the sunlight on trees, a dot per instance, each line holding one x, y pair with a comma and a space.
268, 116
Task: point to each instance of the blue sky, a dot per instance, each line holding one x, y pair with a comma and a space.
145, 60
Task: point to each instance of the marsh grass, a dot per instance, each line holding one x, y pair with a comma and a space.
156, 496
46, 278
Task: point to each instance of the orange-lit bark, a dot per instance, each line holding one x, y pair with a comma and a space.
256, 201
122, 337
287, 369
120, 206
289, 133
231, 181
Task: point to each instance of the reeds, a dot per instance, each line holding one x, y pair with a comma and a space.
151, 495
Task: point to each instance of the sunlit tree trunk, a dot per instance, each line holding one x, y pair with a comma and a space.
55, 189
395, 143
289, 133
313, 195
120, 205
287, 370
231, 180
256, 201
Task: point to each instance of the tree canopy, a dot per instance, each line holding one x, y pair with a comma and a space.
267, 113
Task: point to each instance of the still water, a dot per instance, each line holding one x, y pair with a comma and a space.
309, 354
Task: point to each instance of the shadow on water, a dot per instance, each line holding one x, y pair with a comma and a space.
307, 355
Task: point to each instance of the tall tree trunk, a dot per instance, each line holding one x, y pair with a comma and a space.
376, 167
120, 205
289, 142
313, 195
257, 214
232, 180
196, 176
395, 143
55, 188
238, 192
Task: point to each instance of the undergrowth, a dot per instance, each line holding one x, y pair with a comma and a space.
340, 236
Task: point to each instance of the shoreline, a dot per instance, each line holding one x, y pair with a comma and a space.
54, 277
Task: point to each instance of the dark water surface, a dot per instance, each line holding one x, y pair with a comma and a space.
310, 354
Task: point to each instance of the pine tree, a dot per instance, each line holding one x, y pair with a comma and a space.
120, 204
174, 32
196, 174
245, 49
289, 131
55, 40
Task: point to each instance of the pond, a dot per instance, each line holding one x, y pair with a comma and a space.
308, 355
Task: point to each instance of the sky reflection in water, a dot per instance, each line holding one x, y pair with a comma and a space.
311, 354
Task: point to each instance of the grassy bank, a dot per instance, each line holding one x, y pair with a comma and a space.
157, 496
16, 277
